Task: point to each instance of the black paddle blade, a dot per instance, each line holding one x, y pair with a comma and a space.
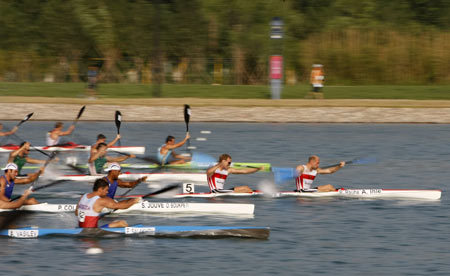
118, 120
80, 112
25, 119
163, 190
187, 115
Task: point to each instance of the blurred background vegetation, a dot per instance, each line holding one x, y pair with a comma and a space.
224, 41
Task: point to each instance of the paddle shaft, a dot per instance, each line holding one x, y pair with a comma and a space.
52, 156
21, 122
160, 191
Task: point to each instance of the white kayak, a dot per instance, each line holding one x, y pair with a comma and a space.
198, 178
340, 193
76, 147
153, 207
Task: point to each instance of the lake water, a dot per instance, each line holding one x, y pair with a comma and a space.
308, 237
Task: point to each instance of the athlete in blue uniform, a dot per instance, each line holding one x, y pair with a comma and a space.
113, 180
8, 180
166, 151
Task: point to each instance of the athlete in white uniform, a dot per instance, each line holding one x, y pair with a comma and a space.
53, 136
307, 173
218, 174
91, 205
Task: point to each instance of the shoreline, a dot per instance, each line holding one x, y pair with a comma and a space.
227, 110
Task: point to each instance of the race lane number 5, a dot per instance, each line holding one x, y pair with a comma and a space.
188, 188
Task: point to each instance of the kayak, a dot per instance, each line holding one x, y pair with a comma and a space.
143, 231
198, 178
370, 193
187, 166
75, 147
339, 193
152, 207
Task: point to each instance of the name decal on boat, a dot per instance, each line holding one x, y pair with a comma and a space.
66, 207
17, 233
137, 230
361, 191
164, 205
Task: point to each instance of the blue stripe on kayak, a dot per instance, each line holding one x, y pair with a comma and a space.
158, 229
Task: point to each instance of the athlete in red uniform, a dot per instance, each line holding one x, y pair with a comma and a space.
307, 173
91, 205
217, 175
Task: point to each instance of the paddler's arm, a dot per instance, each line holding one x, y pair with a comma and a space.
96, 155
13, 154
119, 158
332, 169
6, 133
177, 145
299, 169
211, 170
244, 171
31, 177
107, 202
110, 144
16, 203
130, 184
76, 208
180, 156
68, 131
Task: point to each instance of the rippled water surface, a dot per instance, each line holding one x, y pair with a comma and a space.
308, 237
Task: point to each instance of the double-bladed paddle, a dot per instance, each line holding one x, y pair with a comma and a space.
284, 174
356, 161
157, 192
52, 156
21, 122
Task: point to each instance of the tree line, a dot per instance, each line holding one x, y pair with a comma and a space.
225, 41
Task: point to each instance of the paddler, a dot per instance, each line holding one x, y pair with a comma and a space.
98, 160
91, 205
167, 155
8, 180
307, 173
54, 136
112, 178
20, 157
7, 133
217, 175
102, 139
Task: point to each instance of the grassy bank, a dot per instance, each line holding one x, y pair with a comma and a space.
77, 90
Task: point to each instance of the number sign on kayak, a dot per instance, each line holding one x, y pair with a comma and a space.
188, 188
